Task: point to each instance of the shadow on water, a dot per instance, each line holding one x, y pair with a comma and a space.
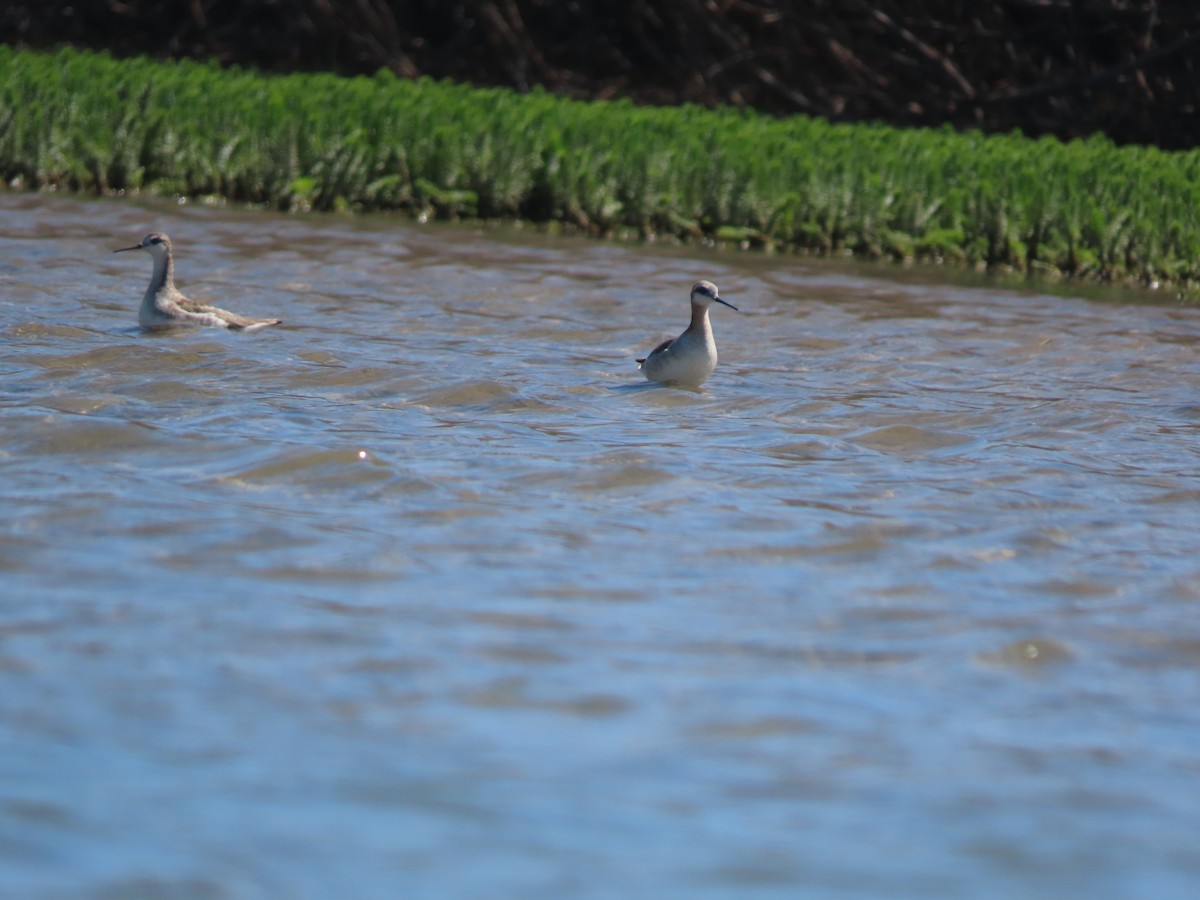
655, 386
902, 600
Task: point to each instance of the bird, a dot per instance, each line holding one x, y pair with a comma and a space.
164, 305
689, 359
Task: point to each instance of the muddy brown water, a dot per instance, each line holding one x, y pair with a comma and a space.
426, 593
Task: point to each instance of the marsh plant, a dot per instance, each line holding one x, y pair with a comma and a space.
88, 122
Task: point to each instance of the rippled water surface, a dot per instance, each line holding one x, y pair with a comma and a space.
426, 594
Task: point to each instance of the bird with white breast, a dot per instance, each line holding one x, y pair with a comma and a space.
164, 305
688, 360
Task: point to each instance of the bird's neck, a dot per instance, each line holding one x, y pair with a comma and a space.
699, 319
164, 272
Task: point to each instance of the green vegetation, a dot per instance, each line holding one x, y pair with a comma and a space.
87, 122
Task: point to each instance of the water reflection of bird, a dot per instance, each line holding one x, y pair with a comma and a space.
689, 359
164, 305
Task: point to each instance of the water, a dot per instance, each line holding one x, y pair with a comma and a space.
427, 594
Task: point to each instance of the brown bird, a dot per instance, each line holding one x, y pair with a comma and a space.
165, 305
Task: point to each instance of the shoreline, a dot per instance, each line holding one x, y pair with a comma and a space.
1079, 212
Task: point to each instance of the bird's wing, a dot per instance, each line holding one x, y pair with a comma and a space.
659, 349
232, 319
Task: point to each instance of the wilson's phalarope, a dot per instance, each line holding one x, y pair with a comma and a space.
689, 359
164, 305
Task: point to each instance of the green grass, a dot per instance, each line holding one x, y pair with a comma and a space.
1086, 209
